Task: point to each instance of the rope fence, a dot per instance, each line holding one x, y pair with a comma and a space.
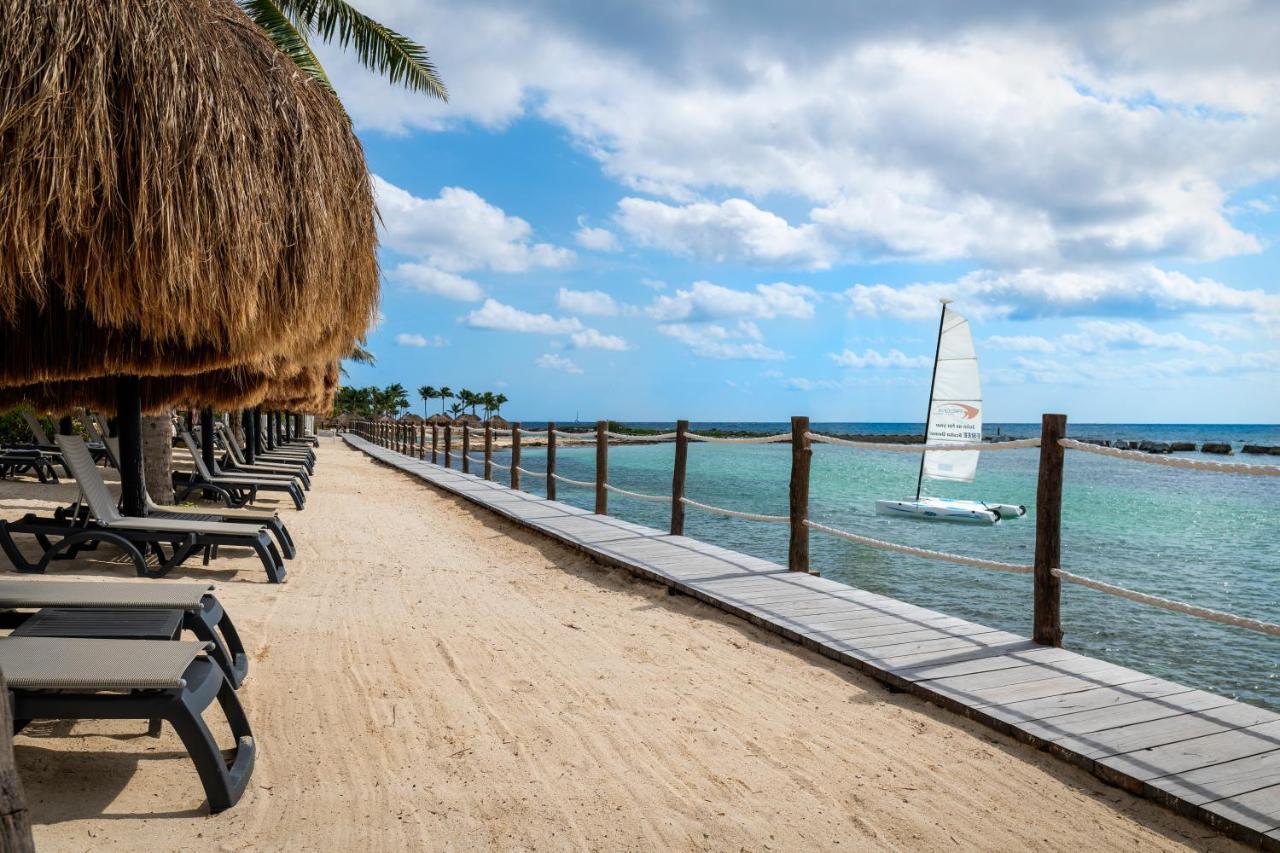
1218, 616
760, 439
579, 483
959, 559
733, 513
1172, 461
638, 495
1046, 567
923, 448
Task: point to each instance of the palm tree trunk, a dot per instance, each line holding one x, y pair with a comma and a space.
157, 457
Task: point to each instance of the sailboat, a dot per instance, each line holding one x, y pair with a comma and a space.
954, 417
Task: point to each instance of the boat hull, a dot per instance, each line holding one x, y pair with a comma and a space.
946, 509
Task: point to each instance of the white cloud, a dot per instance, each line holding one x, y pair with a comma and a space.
707, 301
497, 315
408, 340
555, 361
734, 230
437, 282
595, 302
1062, 132
1134, 291
460, 231
654, 283
1102, 335
1020, 343
714, 341
873, 358
592, 339
596, 239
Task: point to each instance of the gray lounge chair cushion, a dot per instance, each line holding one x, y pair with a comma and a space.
110, 595
52, 663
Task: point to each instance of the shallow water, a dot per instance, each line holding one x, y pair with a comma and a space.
1208, 539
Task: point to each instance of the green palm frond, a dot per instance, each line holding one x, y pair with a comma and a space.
275, 22
381, 49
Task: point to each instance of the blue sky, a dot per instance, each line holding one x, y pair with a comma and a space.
702, 211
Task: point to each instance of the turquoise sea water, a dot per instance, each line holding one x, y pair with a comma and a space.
1209, 539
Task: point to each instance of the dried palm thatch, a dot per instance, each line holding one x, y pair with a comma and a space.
308, 388
177, 196
225, 388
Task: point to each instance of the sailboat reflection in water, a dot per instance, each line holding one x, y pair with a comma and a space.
955, 417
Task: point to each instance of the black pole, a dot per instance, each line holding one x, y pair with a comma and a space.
271, 430
129, 414
65, 427
928, 413
246, 425
258, 446
288, 427
206, 436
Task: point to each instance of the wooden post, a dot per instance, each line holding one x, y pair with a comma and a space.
801, 456
602, 468
448, 445
551, 460
677, 478
515, 455
466, 448
129, 412
15, 820
1047, 630
435, 444
488, 450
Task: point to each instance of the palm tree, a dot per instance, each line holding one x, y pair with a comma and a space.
446, 393
292, 23
397, 399
457, 409
427, 392
498, 402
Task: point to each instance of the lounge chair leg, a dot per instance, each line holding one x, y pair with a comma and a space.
212, 624
271, 560
223, 784
155, 726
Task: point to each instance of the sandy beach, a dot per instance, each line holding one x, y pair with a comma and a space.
431, 678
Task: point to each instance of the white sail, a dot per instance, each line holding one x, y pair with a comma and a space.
955, 410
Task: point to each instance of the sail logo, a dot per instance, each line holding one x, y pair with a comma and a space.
956, 410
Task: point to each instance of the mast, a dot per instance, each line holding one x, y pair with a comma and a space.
928, 415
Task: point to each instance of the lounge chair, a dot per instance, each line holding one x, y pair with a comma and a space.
233, 464
223, 436
76, 679
124, 611
269, 519
46, 443
244, 488
15, 461
136, 536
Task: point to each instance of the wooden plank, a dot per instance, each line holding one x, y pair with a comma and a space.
1189, 754
1102, 699
1257, 810
1133, 739
1117, 717
1225, 780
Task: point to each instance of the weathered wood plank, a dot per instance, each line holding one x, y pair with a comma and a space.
1135, 739
1225, 780
1192, 753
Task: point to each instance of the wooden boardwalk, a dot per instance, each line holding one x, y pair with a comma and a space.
1204, 755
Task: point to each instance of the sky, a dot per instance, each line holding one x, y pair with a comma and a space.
743, 211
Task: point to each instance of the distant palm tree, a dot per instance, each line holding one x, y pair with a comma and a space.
446, 393
487, 400
498, 402
427, 392
397, 398
468, 398
457, 409
291, 23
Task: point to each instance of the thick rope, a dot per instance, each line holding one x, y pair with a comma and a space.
497, 464
1176, 606
531, 473
622, 436
761, 439
637, 495
733, 513
921, 448
975, 562
579, 483
1173, 461
576, 436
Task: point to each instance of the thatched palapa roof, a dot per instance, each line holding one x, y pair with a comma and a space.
178, 197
